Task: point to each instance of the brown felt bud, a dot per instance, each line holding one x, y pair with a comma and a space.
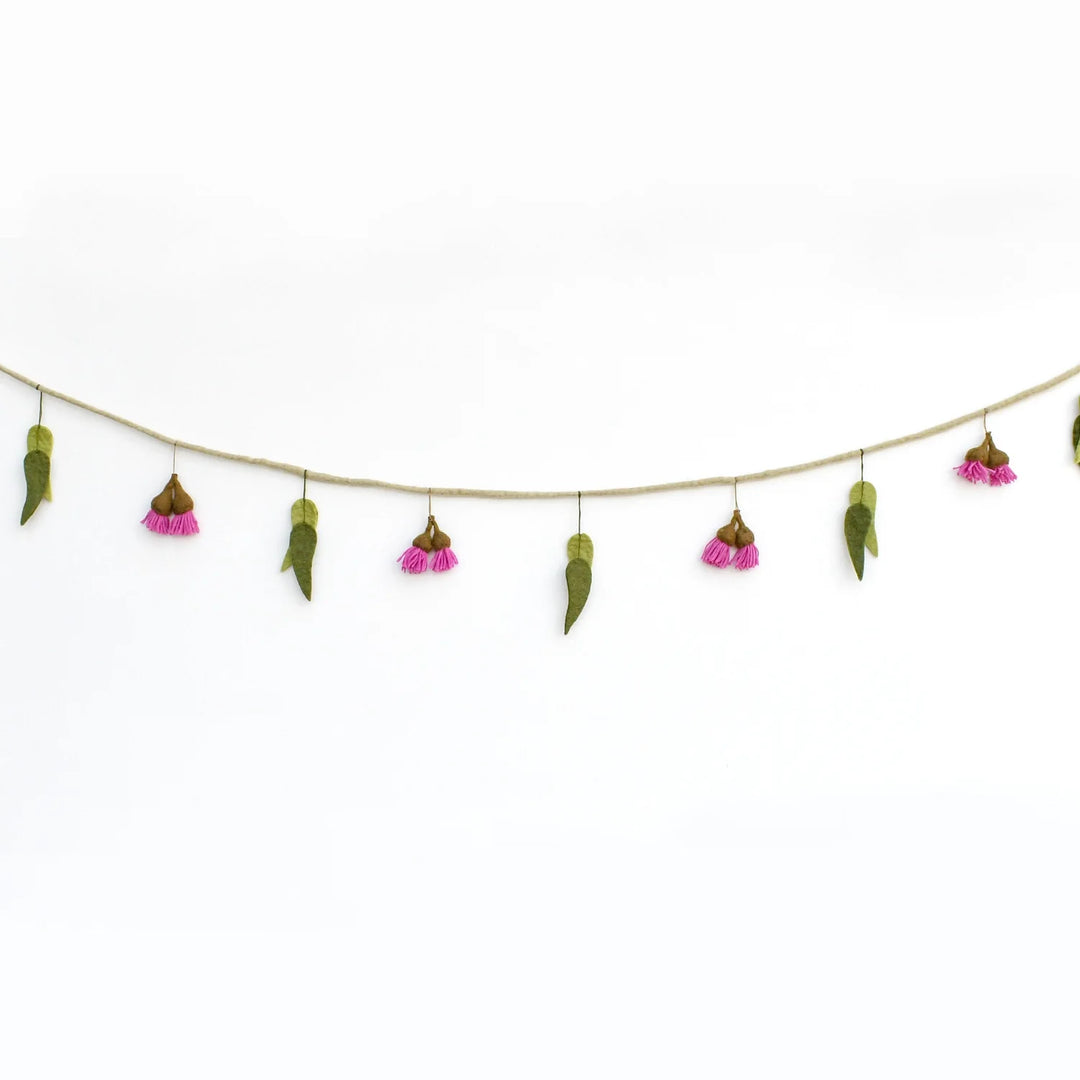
996, 457
726, 535
162, 504
182, 502
980, 453
743, 536
423, 542
440, 540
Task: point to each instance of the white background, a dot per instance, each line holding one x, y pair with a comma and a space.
779, 824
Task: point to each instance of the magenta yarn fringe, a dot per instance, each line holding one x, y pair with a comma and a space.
975, 472
445, 559
1001, 475
716, 553
413, 560
183, 524
156, 522
176, 525
746, 558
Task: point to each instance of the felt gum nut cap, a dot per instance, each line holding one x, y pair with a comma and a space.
743, 537
726, 534
163, 503
182, 502
440, 540
423, 542
995, 458
980, 453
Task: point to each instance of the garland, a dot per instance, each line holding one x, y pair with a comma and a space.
172, 510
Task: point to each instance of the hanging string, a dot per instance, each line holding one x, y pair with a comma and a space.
489, 493
579, 513
861, 467
40, 404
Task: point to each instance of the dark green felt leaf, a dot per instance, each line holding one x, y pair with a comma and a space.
578, 583
579, 546
39, 438
302, 541
36, 468
857, 522
1076, 434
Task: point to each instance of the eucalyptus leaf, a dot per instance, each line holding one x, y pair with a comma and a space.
36, 470
303, 510
864, 492
1076, 435
871, 539
857, 523
579, 546
40, 438
578, 584
302, 541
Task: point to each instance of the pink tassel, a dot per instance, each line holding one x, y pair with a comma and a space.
1001, 475
973, 471
413, 560
156, 522
183, 524
746, 558
445, 559
716, 553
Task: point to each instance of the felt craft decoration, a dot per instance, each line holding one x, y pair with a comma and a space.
432, 547
733, 545
171, 511
1076, 440
579, 553
859, 525
302, 541
986, 464
36, 468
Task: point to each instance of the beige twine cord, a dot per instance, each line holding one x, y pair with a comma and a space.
486, 493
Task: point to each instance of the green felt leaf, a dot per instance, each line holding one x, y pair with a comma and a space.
857, 522
871, 539
287, 561
303, 510
39, 438
36, 469
864, 492
578, 584
579, 546
302, 541
1076, 436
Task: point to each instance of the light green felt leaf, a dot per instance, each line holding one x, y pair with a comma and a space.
871, 539
39, 438
857, 522
302, 541
578, 584
1076, 436
303, 510
864, 492
36, 470
287, 561
579, 546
